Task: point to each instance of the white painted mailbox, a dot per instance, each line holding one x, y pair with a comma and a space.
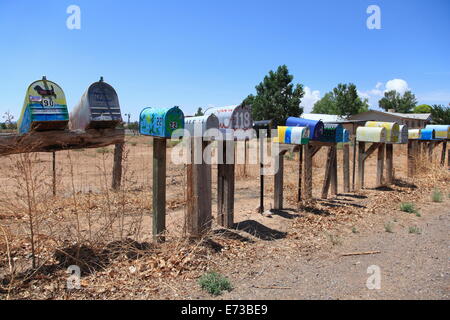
371, 134
200, 126
235, 122
414, 134
392, 130
404, 135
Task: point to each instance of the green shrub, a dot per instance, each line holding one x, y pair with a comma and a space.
214, 283
415, 230
436, 196
388, 227
408, 207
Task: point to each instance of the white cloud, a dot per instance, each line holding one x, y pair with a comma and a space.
399, 85
309, 99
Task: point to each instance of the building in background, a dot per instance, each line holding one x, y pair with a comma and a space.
412, 120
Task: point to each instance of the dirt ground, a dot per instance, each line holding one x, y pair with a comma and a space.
295, 253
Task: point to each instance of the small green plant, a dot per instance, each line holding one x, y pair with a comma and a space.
436, 196
102, 150
418, 215
415, 230
408, 207
335, 240
354, 230
388, 227
214, 283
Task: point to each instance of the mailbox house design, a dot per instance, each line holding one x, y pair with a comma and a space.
332, 133
414, 134
346, 136
315, 127
160, 122
44, 108
404, 135
199, 126
371, 134
293, 135
265, 125
235, 122
392, 130
442, 131
98, 108
427, 134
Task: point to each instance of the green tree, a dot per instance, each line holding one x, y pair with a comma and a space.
399, 103
343, 101
440, 114
423, 108
199, 112
276, 97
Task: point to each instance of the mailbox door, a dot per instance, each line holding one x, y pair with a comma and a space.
371, 134
174, 120
104, 107
403, 138
44, 108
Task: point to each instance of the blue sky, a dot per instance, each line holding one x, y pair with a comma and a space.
213, 53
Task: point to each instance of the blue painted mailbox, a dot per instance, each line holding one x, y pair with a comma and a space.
427, 134
315, 127
45, 108
346, 136
98, 108
442, 131
160, 122
332, 133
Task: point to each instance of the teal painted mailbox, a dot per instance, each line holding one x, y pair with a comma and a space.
160, 122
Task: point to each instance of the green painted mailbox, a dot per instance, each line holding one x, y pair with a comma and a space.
160, 122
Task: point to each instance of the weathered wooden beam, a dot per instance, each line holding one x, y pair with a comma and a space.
278, 182
354, 164
159, 189
444, 151
307, 171
225, 187
412, 153
380, 165
261, 174
346, 167
199, 216
328, 173
389, 163
117, 166
361, 164
334, 173
54, 172
300, 175
57, 140
372, 148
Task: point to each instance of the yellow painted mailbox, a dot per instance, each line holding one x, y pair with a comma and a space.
392, 130
371, 134
414, 134
293, 135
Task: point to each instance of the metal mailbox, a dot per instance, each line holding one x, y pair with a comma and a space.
160, 122
404, 134
98, 108
235, 122
265, 125
392, 129
293, 135
44, 108
315, 127
414, 134
371, 134
427, 134
442, 131
199, 126
332, 133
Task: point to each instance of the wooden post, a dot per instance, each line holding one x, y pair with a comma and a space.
411, 158
380, 164
199, 217
278, 182
361, 163
159, 189
354, 163
328, 173
444, 151
307, 171
225, 188
300, 174
117, 167
334, 173
389, 163
346, 167
245, 157
54, 173
430, 151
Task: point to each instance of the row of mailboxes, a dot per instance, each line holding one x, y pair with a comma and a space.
45, 108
